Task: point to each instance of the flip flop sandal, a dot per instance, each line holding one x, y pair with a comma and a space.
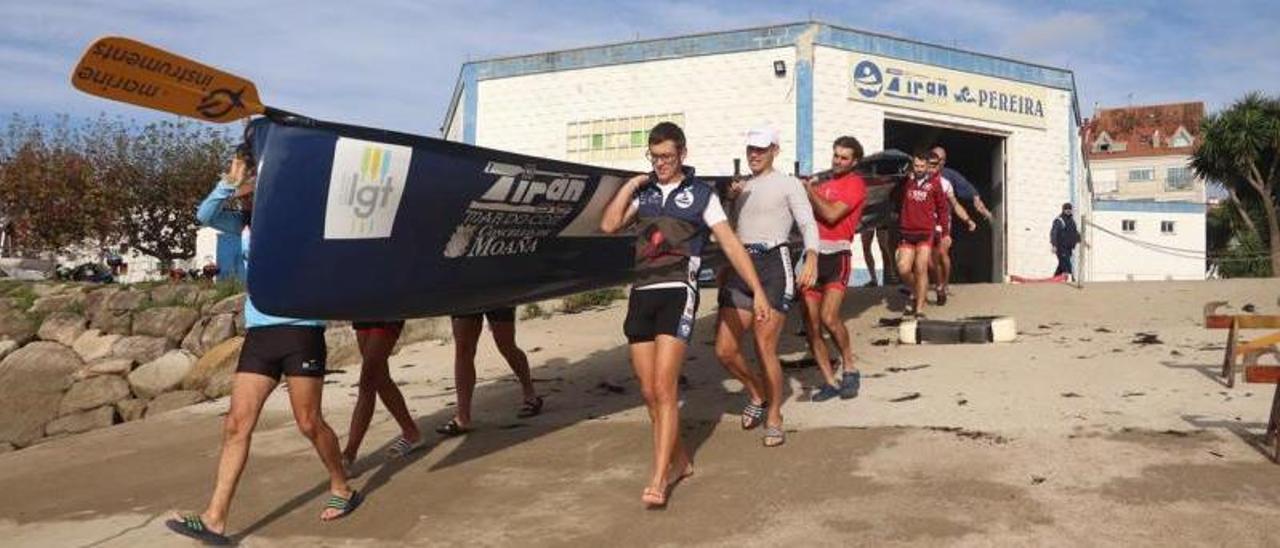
774, 433
193, 527
531, 408
452, 428
753, 415
345, 506
401, 447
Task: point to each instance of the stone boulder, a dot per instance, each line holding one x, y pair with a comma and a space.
140, 349
162, 374
95, 301
126, 301
219, 361
219, 329
56, 303
93, 345
230, 305
113, 322
42, 289
107, 366
32, 381
7, 347
16, 325
423, 329
191, 341
340, 345
173, 400
131, 410
101, 417
176, 294
92, 393
240, 326
63, 327
171, 322
115, 313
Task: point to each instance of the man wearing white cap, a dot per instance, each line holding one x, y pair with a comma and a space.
764, 209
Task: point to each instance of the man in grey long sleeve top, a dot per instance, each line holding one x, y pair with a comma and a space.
765, 208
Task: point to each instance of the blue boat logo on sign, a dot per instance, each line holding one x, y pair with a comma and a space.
868, 79
365, 187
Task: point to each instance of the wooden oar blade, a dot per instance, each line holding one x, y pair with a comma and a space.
129, 71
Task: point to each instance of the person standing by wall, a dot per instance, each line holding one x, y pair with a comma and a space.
1064, 236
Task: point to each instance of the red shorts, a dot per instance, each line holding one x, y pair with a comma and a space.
385, 328
915, 239
833, 273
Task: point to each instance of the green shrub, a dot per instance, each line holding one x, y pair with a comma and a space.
591, 299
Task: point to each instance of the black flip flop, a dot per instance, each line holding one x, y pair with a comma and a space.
193, 527
346, 506
452, 428
531, 408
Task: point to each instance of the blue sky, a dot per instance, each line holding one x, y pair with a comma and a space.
393, 63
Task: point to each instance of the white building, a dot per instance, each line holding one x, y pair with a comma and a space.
1011, 127
1149, 207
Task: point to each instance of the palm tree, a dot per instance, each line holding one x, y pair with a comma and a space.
1240, 146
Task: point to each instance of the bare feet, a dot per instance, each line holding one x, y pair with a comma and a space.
654, 498
680, 469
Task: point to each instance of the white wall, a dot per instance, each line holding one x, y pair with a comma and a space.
721, 97
1116, 258
1037, 180
1118, 170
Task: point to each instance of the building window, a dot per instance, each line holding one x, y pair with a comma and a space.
1178, 178
1166, 227
1128, 225
613, 139
1141, 175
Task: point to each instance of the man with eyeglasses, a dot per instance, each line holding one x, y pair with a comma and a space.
940, 262
765, 208
676, 214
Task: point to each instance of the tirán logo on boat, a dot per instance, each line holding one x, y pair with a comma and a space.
523, 206
365, 187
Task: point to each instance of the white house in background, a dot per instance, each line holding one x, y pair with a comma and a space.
1149, 208
1011, 127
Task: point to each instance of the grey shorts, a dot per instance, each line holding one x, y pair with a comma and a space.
773, 266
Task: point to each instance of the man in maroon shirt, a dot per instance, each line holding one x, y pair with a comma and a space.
924, 206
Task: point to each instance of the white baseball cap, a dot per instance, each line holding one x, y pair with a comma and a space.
762, 137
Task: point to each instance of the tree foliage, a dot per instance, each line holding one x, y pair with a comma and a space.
1240, 147
105, 182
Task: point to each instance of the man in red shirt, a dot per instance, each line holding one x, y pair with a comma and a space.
924, 208
837, 204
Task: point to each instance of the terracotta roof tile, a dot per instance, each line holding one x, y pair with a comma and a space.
1136, 126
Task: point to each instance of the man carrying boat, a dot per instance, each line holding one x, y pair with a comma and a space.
765, 208
676, 214
837, 199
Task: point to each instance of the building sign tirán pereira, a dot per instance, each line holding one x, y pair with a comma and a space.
911, 85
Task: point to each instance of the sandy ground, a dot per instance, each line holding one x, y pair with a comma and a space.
1074, 435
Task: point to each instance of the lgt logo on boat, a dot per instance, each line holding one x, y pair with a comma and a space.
365, 186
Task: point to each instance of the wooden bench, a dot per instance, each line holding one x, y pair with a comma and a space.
1233, 323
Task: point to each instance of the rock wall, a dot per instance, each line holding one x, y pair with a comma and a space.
77, 357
